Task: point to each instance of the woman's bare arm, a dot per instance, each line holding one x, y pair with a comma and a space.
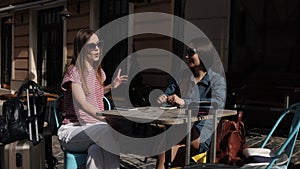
80, 99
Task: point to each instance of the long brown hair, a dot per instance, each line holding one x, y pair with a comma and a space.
80, 39
205, 50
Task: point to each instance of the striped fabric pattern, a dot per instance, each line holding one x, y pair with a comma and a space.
96, 92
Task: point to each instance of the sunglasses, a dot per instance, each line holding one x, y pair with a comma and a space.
92, 46
190, 52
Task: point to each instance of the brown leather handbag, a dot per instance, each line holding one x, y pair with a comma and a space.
231, 139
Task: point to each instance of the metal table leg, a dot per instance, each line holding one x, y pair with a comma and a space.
188, 138
213, 152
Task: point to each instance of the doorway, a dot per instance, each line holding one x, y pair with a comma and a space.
50, 48
109, 11
6, 53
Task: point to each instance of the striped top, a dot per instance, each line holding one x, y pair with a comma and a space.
72, 112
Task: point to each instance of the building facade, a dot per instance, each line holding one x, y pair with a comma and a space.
257, 41
36, 39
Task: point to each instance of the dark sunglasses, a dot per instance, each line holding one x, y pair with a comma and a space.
190, 52
92, 46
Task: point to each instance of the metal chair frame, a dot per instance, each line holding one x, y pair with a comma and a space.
289, 144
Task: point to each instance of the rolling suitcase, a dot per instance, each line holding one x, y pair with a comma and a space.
23, 155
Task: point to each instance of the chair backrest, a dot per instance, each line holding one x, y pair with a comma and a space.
58, 115
58, 108
107, 104
289, 144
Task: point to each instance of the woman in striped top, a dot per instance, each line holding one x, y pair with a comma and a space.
83, 85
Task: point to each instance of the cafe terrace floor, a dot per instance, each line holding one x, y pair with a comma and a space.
130, 161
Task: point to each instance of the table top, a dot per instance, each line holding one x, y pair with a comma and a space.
160, 115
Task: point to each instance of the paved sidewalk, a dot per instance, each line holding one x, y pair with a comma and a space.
131, 161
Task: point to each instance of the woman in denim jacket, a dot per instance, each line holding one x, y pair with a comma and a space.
202, 84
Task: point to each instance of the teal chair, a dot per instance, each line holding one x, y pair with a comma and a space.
73, 160
288, 145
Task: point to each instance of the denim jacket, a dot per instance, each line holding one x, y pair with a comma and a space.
211, 88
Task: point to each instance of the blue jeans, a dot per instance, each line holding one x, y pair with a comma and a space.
205, 129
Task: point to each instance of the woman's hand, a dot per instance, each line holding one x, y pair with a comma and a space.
175, 100
162, 99
119, 80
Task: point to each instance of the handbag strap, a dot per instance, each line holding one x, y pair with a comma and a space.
240, 116
29, 85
